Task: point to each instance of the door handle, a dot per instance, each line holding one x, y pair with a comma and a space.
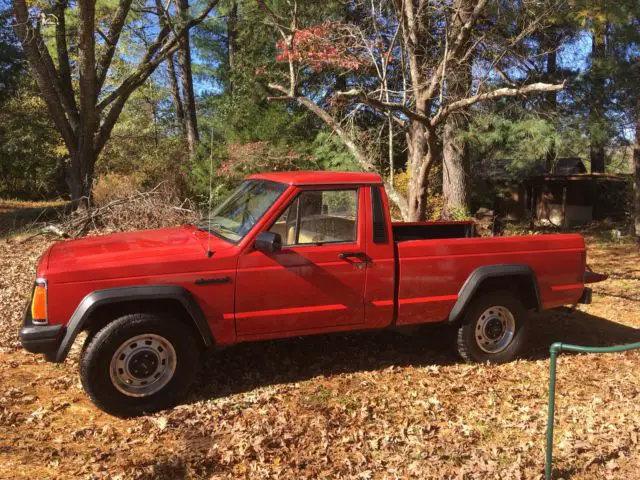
212, 281
347, 255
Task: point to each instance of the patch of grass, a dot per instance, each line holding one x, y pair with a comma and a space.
349, 402
486, 431
505, 460
13, 203
319, 397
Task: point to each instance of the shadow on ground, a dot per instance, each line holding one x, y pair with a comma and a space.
250, 366
15, 216
578, 328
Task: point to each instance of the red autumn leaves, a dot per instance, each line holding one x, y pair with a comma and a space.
321, 47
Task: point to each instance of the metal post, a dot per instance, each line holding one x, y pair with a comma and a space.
553, 357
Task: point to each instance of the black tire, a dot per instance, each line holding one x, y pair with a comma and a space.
469, 338
95, 364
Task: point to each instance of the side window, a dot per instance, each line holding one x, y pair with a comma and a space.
325, 216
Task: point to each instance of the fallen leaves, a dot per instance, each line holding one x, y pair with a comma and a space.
362, 406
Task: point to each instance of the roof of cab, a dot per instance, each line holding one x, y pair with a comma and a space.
320, 178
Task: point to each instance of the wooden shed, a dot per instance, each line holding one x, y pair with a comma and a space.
575, 199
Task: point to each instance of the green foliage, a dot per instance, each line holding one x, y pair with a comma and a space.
198, 171
143, 144
459, 213
239, 110
11, 61
31, 154
331, 154
520, 143
232, 162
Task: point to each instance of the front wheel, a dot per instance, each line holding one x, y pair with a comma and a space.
139, 363
494, 329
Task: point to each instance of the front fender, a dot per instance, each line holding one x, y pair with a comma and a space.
99, 298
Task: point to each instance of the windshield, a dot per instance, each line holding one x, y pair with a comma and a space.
234, 217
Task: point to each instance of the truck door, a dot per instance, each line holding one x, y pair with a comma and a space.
316, 281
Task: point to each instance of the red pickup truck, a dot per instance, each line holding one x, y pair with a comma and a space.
287, 254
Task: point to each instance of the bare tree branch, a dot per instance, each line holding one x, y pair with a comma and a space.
382, 105
44, 70
275, 18
156, 53
111, 39
64, 65
456, 48
500, 92
125, 90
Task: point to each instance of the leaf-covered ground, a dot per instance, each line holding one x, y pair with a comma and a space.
367, 405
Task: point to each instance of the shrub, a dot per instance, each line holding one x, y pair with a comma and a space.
435, 200
111, 186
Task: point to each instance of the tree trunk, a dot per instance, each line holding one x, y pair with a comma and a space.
416, 193
636, 161
79, 177
421, 143
596, 112
232, 23
186, 78
455, 168
83, 157
175, 94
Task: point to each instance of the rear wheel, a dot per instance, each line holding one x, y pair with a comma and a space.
139, 363
494, 329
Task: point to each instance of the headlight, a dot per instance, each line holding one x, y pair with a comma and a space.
39, 302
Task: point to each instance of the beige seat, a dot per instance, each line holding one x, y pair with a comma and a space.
323, 228
316, 229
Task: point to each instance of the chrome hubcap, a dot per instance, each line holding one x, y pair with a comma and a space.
143, 365
495, 329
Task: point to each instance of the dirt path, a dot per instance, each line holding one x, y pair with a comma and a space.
377, 405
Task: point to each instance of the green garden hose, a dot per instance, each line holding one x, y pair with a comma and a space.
554, 350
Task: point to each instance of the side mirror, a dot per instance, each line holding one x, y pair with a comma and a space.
268, 242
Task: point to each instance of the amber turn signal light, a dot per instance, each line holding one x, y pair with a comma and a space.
39, 302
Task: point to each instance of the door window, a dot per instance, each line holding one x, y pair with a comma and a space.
318, 217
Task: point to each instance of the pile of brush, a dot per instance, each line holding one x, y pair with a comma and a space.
155, 208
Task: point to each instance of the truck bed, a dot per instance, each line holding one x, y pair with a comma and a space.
431, 272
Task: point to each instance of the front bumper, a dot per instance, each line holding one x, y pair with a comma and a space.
40, 338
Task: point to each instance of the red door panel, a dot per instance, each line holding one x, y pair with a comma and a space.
301, 288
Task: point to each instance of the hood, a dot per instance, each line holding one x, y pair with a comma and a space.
131, 253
